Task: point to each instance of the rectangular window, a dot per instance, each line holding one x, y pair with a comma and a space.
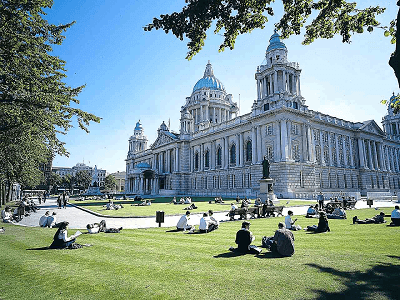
269, 129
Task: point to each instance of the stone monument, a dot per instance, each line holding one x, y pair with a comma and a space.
94, 188
266, 183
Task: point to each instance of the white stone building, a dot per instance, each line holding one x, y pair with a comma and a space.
62, 171
217, 152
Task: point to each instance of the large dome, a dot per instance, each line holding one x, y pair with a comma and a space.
209, 81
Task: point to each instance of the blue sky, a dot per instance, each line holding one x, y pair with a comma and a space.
131, 74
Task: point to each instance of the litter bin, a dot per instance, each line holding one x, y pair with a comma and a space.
159, 217
370, 203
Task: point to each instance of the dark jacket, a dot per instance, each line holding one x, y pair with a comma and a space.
243, 239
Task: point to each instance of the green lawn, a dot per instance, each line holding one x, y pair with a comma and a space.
164, 205
350, 262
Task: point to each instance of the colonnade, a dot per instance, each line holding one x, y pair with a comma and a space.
205, 113
141, 185
279, 80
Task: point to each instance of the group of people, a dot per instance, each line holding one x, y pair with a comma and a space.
111, 206
207, 223
62, 200
25, 208
48, 220
182, 200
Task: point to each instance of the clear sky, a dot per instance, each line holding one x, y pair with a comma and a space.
131, 74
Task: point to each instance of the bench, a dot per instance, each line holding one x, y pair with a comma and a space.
272, 210
256, 212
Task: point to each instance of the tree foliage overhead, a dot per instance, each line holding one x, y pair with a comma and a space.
35, 102
234, 17
83, 178
110, 183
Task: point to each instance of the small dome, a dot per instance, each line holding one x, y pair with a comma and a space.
209, 81
275, 42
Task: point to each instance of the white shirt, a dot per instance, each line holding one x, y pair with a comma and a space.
288, 222
94, 230
183, 222
51, 221
204, 221
395, 214
43, 221
5, 215
233, 207
214, 220
63, 236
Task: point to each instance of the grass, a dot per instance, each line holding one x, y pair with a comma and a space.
350, 262
164, 205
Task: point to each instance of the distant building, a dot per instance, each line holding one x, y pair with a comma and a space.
101, 174
218, 153
120, 178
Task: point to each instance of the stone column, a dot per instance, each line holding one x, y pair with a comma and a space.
337, 150
177, 159
376, 156
226, 148
201, 113
351, 153
284, 144
241, 149
330, 149
381, 157
141, 185
201, 157
344, 151
277, 153
321, 145
212, 156
258, 89
265, 86
284, 80
275, 82
238, 158
259, 145
361, 153
370, 155
168, 163
253, 146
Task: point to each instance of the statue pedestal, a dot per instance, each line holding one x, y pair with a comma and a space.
93, 191
266, 190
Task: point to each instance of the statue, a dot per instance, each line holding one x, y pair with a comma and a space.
265, 164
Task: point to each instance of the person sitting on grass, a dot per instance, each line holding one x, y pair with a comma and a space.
289, 223
312, 211
231, 213
282, 242
206, 224
378, 219
183, 225
338, 213
395, 216
6, 215
211, 214
323, 225
52, 220
43, 219
244, 238
61, 239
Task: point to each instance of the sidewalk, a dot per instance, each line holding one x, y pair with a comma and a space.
78, 219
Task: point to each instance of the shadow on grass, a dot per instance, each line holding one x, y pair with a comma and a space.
269, 254
382, 279
229, 254
41, 248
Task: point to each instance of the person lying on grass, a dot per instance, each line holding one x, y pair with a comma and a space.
244, 237
101, 227
323, 225
378, 219
281, 243
61, 239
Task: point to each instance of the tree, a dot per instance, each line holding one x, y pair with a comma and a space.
54, 181
234, 17
35, 103
83, 178
68, 182
110, 183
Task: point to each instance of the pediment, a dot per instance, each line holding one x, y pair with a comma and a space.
162, 139
372, 127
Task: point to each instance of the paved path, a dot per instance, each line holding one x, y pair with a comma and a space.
78, 219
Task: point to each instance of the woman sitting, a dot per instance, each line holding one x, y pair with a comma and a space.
61, 239
323, 225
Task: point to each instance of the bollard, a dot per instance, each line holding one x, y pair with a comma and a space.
159, 217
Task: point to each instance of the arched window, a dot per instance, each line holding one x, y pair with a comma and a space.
207, 159
249, 151
219, 156
233, 154
196, 161
295, 106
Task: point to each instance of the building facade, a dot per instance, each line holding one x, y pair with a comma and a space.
81, 167
217, 152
